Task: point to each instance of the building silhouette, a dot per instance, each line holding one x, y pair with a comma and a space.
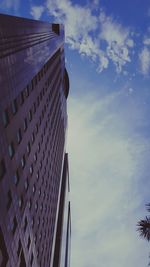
35, 225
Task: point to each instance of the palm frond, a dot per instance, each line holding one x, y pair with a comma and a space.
148, 207
144, 228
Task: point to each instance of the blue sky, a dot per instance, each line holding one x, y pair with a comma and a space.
108, 60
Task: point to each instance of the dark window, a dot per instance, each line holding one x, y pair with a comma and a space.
36, 128
23, 161
20, 202
26, 185
16, 177
38, 101
5, 118
34, 107
11, 150
33, 189
31, 169
14, 106
35, 78
25, 224
29, 204
30, 115
32, 84
40, 236
25, 124
2, 169
27, 91
35, 238
29, 242
19, 248
32, 222
36, 205
32, 138
3, 251
28, 148
14, 225
37, 175
31, 259
39, 146
41, 207
19, 137
35, 157
22, 97
22, 260
9, 199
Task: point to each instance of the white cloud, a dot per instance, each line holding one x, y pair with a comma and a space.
146, 41
85, 31
37, 11
10, 4
144, 58
105, 153
118, 41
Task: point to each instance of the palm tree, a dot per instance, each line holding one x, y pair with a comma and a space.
144, 227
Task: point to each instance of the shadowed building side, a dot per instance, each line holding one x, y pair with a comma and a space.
33, 121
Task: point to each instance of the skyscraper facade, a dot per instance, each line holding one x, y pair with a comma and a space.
35, 220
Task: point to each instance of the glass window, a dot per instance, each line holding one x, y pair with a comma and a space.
32, 137
27, 91
25, 224
14, 225
29, 242
31, 259
39, 192
26, 185
33, 189
22, 260
36, 128
23, 161
36, 205
32, 222
30, 115
11, 150
39, 146
22, 97
19, 248
25, 124
37, 253
35, 157
31, 169
35, 238
5, 118
2, 168
37, 175
34, 105
32, 84
41, 207
29, 204
19, 137
20, 202
14, 106
40, 236
9, 199
28, 148
16, 177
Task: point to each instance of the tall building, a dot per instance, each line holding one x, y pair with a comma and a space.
35, 226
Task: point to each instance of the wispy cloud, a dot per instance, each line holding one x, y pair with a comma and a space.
85, 31
106, 159
118, 41
37, 11
144, 57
